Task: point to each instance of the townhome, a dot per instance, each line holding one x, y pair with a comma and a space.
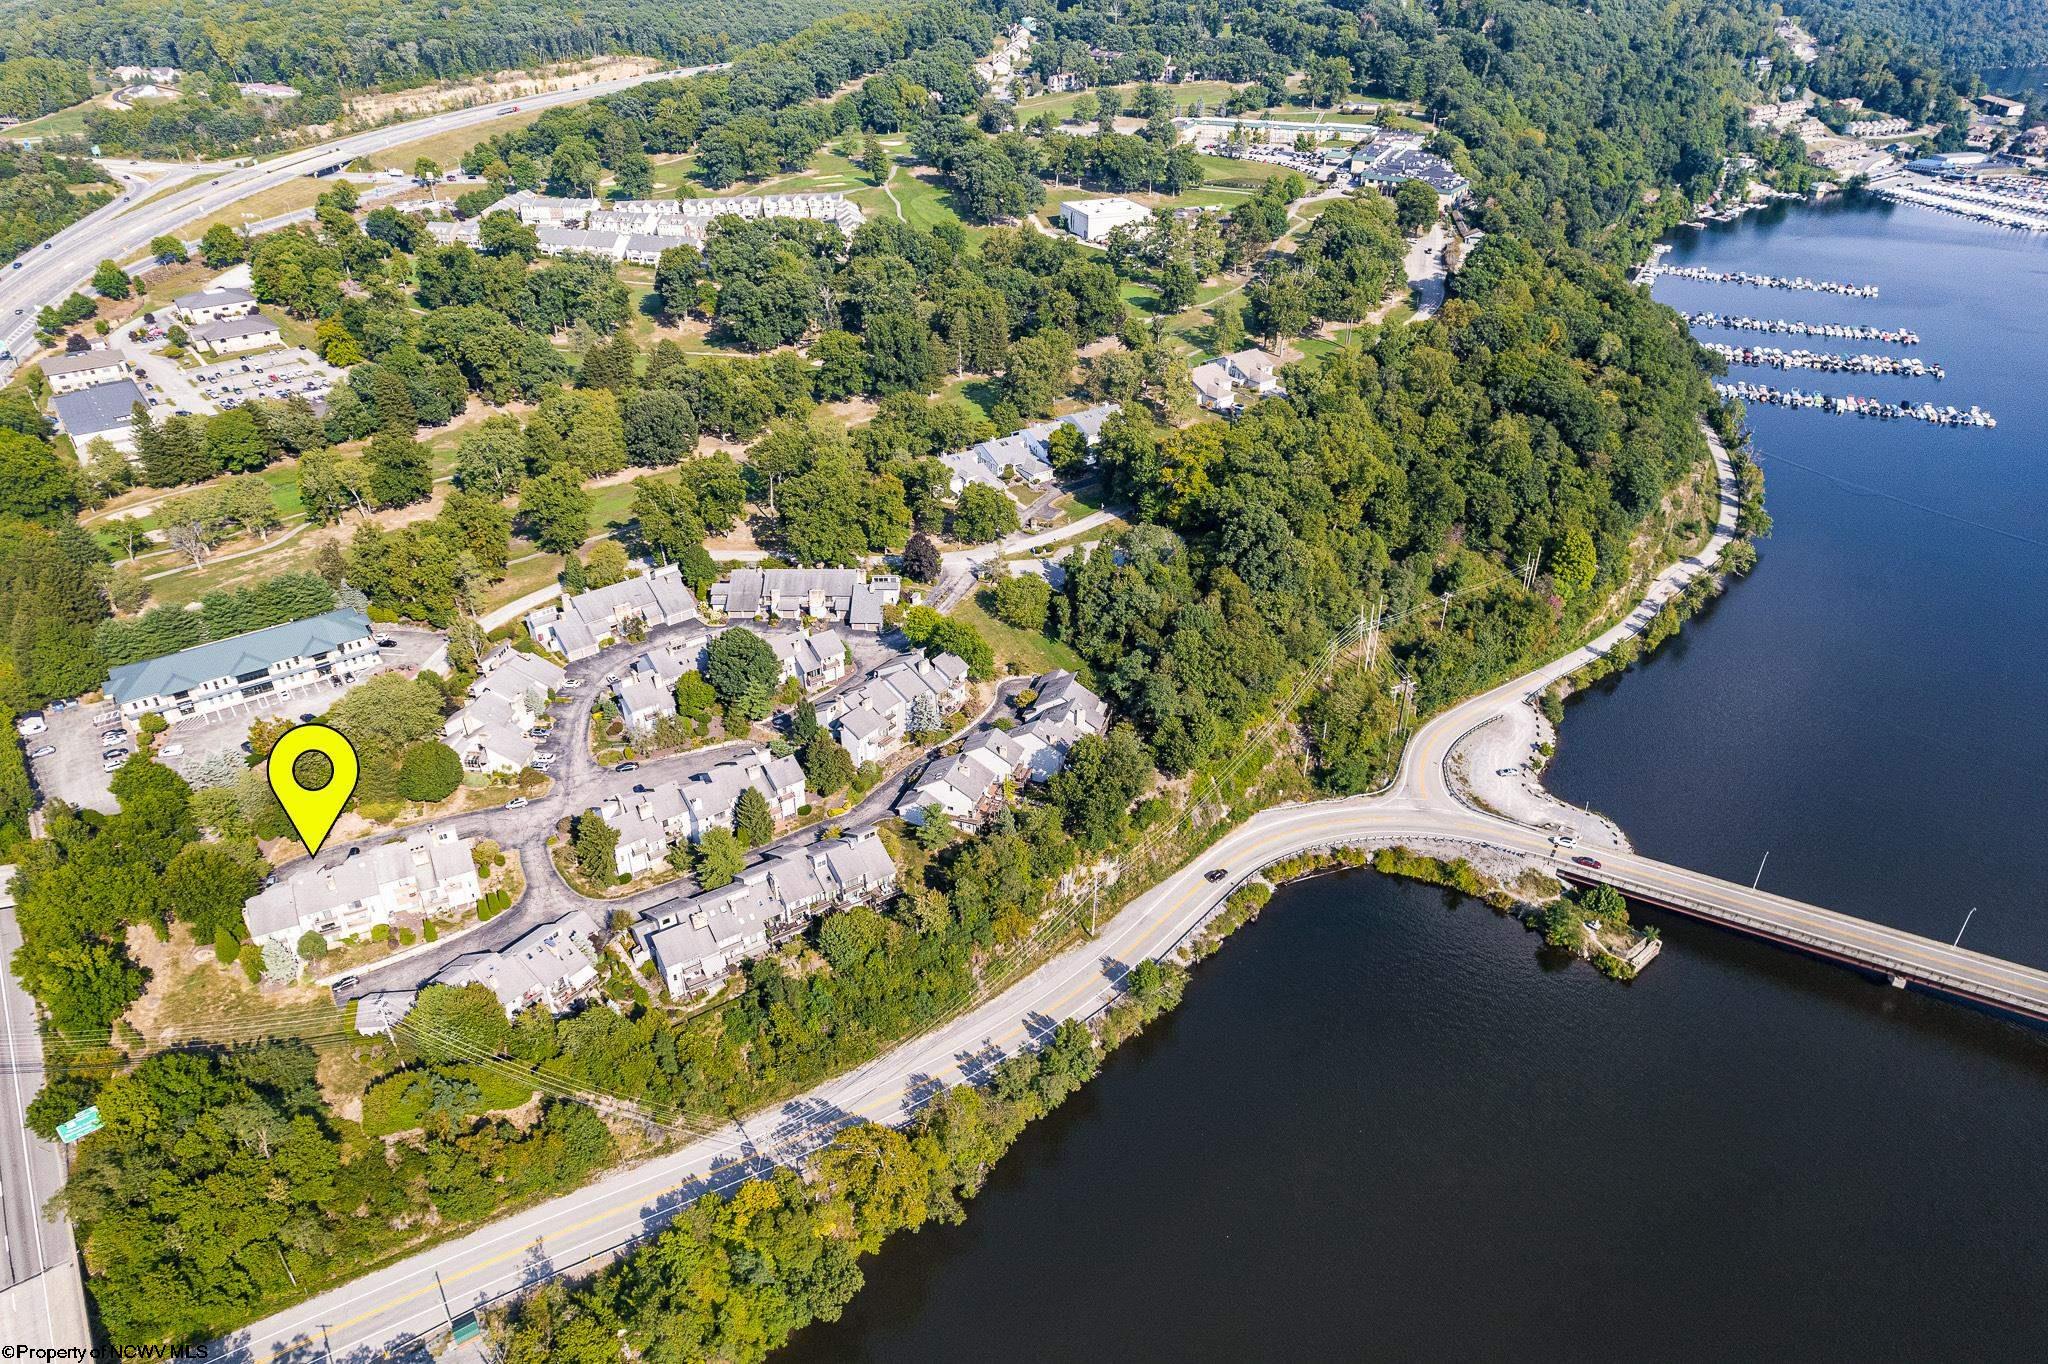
654, 820
549, 967
1228, 382
646, 688
1025, 456
104, 411
586, 622
508, 700
845, 595
872, 718
352, 892
693, 942
269, 664
969, 786
811, 658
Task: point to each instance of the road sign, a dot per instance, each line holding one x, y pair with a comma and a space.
86, 1122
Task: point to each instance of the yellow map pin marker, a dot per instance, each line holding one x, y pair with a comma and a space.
312, 809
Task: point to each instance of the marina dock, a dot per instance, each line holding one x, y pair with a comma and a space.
1833, 331
1770, 357
1851, 406
1796, 283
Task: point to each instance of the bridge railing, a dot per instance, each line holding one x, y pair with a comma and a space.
1971, 985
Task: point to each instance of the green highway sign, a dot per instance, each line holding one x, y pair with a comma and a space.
87, 1121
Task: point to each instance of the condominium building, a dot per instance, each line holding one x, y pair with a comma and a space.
872, 718
349, 893
586, 622
272, 663
838, 594
693, 942
655, 819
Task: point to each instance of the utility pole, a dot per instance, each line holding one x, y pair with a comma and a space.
1372, 633
1529, 571
1404, 697
1760, 870
1444, 616
1966, 923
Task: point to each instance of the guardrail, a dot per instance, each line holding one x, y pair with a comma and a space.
1777, 929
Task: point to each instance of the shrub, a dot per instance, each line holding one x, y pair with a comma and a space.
430, 772
251, 957
312, 946
429, 932
226, 947
380, 932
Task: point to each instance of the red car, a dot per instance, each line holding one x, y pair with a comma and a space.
1587, 862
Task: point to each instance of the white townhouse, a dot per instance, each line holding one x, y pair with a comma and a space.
549, 966
645, 691
1228, 382
656, 819
495, 731
347, 893
968, 786
872, 718
1023, 456
693, 942
586, 622
845, 595
268, 665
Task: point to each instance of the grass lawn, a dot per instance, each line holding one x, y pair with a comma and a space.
1184, 98
447, 148
61, 123
1030, 650
528, 575
288, 197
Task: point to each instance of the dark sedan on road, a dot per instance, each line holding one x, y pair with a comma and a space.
627, 767
1588, 862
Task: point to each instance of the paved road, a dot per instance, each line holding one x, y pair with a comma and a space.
1418, 809
41, 1300
125, 227
580, 782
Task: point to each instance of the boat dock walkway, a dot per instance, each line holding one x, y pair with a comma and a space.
1833, 331
1797, 283
1770, 357
1849, 405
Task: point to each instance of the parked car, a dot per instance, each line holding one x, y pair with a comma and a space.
45, 751
111, 764
516, 803
573, 684
386, 642
111, 736
1215, 873
345, 983
627, 767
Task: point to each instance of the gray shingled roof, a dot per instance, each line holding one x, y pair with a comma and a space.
87, 412
232, 657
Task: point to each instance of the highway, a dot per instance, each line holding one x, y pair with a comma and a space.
124, 228
42, 1302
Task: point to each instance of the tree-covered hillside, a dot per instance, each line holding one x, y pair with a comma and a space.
353, 44
1972, 34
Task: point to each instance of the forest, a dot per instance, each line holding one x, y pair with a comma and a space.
1969, 34
41, 194
364, 45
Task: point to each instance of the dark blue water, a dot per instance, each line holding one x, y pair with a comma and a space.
1382, 1127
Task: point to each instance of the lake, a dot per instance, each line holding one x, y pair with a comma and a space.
1383, 1125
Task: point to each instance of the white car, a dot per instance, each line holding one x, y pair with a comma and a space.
573, 684
516, 803
1565, 840
47, 750
111, 764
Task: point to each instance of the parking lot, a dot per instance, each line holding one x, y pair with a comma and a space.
72, 771
274, 375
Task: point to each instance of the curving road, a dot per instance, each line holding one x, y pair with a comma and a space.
1419, 808
125, 227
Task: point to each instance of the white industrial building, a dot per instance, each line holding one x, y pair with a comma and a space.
1092, 220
